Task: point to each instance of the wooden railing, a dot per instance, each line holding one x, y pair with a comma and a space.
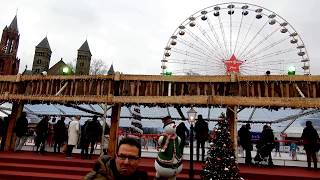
258, 91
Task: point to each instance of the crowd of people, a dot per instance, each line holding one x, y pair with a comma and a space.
59, 135
267, 142
125, 163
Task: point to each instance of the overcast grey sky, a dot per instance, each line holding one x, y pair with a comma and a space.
131, 34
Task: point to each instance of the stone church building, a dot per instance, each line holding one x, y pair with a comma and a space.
9, 62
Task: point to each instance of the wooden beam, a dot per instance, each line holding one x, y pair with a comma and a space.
109, 87
266, 90
182, 89
198, 89
98, 88
221, 100
115, 118
86, 89
84, 109
308, 91
205, 89
314, 90
213, 89
138, 87
181, 100
287, 94
17, 108
281, 89
272, 89
252, 90
221, 78
232, 116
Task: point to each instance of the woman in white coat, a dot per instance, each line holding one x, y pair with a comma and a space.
73, 135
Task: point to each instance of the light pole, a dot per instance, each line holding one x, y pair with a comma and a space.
192, 119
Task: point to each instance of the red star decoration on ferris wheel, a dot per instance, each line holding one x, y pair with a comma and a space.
233, 65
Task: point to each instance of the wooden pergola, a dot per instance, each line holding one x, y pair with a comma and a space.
231, 91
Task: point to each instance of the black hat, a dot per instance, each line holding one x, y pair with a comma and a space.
167, 120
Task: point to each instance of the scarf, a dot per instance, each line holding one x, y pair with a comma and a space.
168, 136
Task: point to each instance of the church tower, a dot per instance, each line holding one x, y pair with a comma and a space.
111, 70
9, 63
83, 60
42, 57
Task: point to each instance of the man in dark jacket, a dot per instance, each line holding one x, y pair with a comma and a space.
123, 167
267, 142
93, 132
42, 130
310, 139
245, 142
60, 134
183, 132
84, 142
202, 132
21, 130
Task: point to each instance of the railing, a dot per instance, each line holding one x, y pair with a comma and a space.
246, 91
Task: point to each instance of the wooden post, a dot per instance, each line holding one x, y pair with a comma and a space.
115, 117
232, 116
17, 108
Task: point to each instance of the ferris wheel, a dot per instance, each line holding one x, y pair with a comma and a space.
235, 38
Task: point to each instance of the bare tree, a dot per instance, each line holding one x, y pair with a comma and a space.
98, 66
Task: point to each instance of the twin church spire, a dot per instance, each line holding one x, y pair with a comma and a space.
42, 58
83, 59
9, 63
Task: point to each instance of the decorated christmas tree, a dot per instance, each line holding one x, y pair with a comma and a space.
221, 163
